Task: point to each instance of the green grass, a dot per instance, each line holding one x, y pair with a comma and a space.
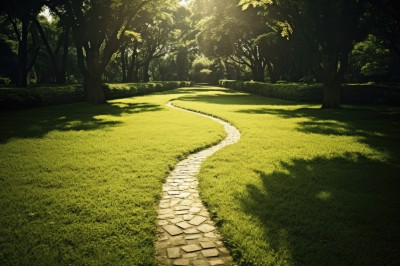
80, 183
304, 186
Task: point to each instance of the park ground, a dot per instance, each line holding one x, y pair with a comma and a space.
304, 186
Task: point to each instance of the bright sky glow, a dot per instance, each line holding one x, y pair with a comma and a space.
184, 2
46, 12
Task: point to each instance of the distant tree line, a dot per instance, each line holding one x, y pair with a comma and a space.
96, 41
329, 41
93, 41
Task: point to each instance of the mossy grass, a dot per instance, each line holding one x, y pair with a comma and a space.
304, 186
80, 183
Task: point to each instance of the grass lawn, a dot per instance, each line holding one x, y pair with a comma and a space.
80, 183
304, 186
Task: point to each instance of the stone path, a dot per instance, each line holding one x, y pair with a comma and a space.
186, 233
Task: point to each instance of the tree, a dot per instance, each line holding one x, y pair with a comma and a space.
57, 34
9, 52
98, 29
159, 33
21, 15
155, 39
244, 39
369, 59
328, 29
182, 63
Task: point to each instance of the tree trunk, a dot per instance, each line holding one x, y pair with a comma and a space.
258, 74
94, 89
23, 56
272, 73
123, 64
258, 71
93, 83
61, 75
331, 82
331, 98
132, 74
146, 76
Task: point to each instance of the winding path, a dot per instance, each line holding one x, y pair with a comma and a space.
186, 233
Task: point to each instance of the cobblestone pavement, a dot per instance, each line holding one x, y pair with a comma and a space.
186, 233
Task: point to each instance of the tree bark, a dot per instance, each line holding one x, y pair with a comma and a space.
146, 76
94, 89
93, 82
123, 64
272, 73
331, 98
132, 74
331, 82
258, 74
258, 70
61, 78
23, 56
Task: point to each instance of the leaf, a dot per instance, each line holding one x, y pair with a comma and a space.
133, 35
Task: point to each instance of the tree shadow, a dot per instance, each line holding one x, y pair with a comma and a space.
334, 211
227, 97
35, 123
378, 127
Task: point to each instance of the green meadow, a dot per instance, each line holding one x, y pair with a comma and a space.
304, 186
80, 183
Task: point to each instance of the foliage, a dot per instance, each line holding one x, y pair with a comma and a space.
328, 30
369, 93
369, 58
19, 98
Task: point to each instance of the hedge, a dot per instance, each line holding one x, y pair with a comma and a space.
369, 93
21, 98
124, 90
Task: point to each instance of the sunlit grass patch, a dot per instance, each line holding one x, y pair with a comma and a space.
80, 183
304, 186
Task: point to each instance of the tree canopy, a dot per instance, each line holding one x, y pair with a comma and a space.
93, 41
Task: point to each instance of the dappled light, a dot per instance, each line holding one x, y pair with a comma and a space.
199, 132
80, 117
332, 209
303, 180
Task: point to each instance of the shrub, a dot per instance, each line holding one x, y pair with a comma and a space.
19, 98
4, 81
351, 93
124, 90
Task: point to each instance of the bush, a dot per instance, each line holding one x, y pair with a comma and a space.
369, 93
4, 81
124, 90
19, 98
287, 91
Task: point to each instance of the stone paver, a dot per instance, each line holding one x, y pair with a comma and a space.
210, 252
181, 262
186, 233
207, 244
198, 220
173, 253
172, 229
191, 248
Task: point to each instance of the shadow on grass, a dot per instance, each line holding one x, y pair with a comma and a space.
377, 127
330, 211
35, 123
227, 97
